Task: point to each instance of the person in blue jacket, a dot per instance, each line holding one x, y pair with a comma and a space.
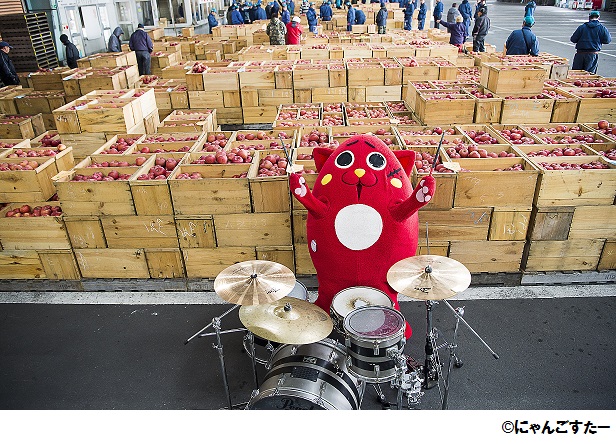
403, 3
245, 11
236, 16
326, 11
408, 15
311, 17
588, 38
529, 9
360, 17
381, 19
350, 16
421, 17
211, 19
285, 16
437, 13
291, 7
467, 12
260, 12
523, 41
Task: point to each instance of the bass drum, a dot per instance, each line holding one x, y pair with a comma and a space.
299, 292
308, 377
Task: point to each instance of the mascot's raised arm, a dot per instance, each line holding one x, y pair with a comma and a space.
362, 215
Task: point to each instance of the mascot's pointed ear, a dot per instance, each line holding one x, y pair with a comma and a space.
321, 155
406, 159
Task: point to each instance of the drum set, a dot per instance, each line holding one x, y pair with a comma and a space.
308, 367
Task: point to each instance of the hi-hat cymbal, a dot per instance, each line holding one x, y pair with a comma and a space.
287, 321
254, 282
429, 277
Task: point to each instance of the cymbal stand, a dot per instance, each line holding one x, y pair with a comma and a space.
459, 315
216, 324
431, 365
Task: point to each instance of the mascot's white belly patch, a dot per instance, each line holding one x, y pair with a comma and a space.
358, 226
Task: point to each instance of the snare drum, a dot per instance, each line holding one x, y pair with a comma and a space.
308, 377
374, 335
299, 292
353, 298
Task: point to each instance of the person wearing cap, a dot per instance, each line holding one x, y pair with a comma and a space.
141, 43
529, 9
480, 30
260, 12
212, 21
409, 10
311, 17
294, 31
114, 44
523, 41
467, 12
480, 4
285, 15
421, 16
72, 53
338, 4
457, 32
588, 38
360, 17
350, 16
237, 17
276, 30
381, 19
437, 12
8, 75
326, 11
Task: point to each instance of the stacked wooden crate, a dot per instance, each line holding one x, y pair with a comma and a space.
216, 87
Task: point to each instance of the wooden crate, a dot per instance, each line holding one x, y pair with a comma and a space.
106, 117
32, 233
85, 232
504, 79
488, 256
59, 264
165, 263
487, 110
109, 263
308, 77
485, 186
365, 74
607, 261
527, 110
591, 108
209, 262
575, 187
565, 105
435, 109
509, 224
593, 222
550, 223
16, 128
440, 248
455, 224
253, 229
28, 185
140, 231
303, 262
565, 255
21, 264
66, 119
195, 231
269, 194
218, 192
284, 255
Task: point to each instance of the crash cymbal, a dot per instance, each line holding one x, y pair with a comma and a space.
287, 321
254, 282
429, 277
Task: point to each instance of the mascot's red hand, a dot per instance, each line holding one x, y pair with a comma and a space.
300, 190
422, 194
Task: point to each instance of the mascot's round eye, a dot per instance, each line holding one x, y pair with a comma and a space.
376, 161
345, 159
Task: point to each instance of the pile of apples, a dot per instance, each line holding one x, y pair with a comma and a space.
355, 113
38, 211
287, 115
332, 120
32, 153
481, 95
24, 165
99, 176
117, 163
595, 165
160, 139
147, 149
427, 132
556, 129
606, 128
260, 135
189, 176
315, 138
603, 83
481, 137
516, 167
397, 106
423, 163
332, 108
405, 119
50, 140
474, 152
361, 122
308, 114
611, 154
220, 156
119, 146
214, 142
553, 94
580, 138
7, 145
272, 165
161, 170
378, 113
558, 152
303, 156
516, 136
432, 142
536, 96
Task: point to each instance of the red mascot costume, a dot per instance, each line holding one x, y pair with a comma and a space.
362, 215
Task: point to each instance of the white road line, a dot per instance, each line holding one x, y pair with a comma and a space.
210, 298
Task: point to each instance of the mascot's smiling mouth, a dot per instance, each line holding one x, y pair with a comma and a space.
359, 178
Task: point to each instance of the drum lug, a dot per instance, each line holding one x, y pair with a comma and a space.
294, 350
375, 347
280, 383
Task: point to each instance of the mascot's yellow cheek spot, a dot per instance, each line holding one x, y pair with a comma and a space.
326, 179
396, 182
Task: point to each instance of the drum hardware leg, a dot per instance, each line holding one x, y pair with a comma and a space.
430, 370
251, 338
461, 318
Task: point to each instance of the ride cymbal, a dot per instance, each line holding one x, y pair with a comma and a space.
287, 321
254, 282
429, 277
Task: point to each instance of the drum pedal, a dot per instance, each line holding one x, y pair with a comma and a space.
412, 365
